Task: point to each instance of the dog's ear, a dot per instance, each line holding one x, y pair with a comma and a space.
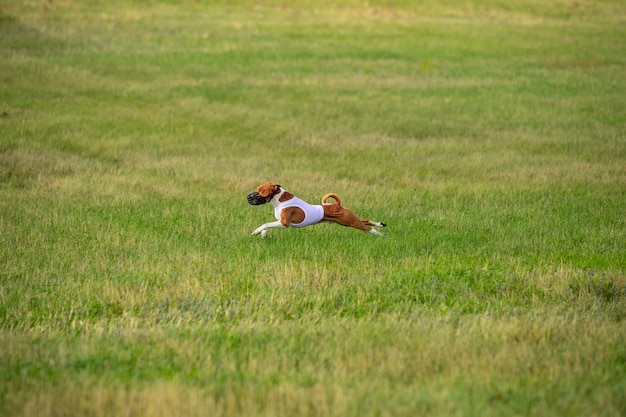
276, 189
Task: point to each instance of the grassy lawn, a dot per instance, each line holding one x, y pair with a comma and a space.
490, 136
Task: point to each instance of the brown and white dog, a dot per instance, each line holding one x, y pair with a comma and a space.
289, 210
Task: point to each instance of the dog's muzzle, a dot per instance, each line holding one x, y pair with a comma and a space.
256, 199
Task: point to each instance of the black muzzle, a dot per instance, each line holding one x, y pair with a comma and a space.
256, 199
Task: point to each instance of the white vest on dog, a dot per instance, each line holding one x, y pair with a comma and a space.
312, 214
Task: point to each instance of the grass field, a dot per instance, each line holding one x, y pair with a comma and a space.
489, 135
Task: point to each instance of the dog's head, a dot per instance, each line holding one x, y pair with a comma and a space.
263, 194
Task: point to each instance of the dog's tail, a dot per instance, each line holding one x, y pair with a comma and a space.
333, 196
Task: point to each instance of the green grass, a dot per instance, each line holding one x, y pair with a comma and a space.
489, 135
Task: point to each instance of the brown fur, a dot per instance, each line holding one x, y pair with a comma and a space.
290, 215
339, 214
268, 190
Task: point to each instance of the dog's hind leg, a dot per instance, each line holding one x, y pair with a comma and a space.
338, 214
370, 227
375, 224
366, 226
375, 232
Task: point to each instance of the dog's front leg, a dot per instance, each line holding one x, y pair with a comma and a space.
266, 226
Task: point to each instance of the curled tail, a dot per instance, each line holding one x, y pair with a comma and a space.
333, 196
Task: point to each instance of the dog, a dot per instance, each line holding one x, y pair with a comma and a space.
289, 210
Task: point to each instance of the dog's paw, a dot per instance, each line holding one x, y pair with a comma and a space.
376, 233
383, 224
260, 231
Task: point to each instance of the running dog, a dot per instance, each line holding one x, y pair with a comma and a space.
289, 210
